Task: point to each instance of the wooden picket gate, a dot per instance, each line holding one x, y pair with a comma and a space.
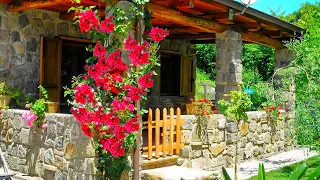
166, 140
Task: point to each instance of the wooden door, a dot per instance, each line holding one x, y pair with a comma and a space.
187, 76
50, 66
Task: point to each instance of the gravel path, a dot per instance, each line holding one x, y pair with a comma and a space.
250, 168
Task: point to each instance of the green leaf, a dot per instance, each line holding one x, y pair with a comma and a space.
225, 175
298, 172
315, 174
261, 172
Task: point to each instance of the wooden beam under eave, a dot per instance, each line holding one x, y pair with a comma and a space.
261, 39
178, 17
203, 36
183, 30
25, 5
71, 15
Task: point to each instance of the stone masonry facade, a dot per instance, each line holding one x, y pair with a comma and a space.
212, 145
61, 151
20, 34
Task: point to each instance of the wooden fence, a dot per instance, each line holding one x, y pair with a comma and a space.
167, 138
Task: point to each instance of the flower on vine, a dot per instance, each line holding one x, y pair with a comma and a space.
99, 50
191, 100
114, 90
279, 112
86, 130
158, 34
139, 56
83, 94
135, 93
146, 81
132, 125
88, 20
107, 25
130, 44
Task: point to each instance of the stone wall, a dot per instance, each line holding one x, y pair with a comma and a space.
212, 145
61, 151
20, 34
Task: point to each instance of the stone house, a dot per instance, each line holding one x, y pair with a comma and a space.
39, 44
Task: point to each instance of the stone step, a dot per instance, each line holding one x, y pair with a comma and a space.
159, 163
21, 176
177, 173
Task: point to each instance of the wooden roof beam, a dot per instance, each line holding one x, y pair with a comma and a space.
25, 5
183, 30
203, 36
178, 17
205, 25
71, 15
261, 39
252, 26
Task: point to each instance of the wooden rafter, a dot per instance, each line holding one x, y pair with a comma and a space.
71, 15
261, 39
178, 17
25, 5
252, 26
183, 30
203, 36
207, 26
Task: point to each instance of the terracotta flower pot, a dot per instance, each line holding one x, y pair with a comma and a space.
194, 109
4, 100
51, 107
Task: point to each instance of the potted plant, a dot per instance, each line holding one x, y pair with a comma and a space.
50, 107
4, 94
199, 107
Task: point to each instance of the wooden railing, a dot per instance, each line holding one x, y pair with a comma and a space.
167, 138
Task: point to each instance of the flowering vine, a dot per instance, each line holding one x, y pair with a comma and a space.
105, 96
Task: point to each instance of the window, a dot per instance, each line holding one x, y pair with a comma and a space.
170, 74
177, 75
61, 59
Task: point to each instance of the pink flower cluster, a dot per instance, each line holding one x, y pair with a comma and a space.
30, 117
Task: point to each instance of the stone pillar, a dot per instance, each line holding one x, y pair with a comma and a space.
283, 57
228, 62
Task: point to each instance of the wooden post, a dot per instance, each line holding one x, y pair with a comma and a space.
178, 132
157, 132
171, 131
150, 134
164, 133
137, 153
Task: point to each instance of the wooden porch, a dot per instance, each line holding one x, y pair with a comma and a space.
196, 20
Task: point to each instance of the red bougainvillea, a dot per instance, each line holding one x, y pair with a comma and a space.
104, 99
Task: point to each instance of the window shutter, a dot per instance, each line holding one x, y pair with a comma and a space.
187, 76
50, 66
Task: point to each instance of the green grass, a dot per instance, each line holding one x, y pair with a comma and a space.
202, 77
285, 172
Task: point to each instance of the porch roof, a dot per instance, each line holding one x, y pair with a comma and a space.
196, 20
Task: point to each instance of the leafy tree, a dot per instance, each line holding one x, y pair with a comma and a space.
206, 59
307, 75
